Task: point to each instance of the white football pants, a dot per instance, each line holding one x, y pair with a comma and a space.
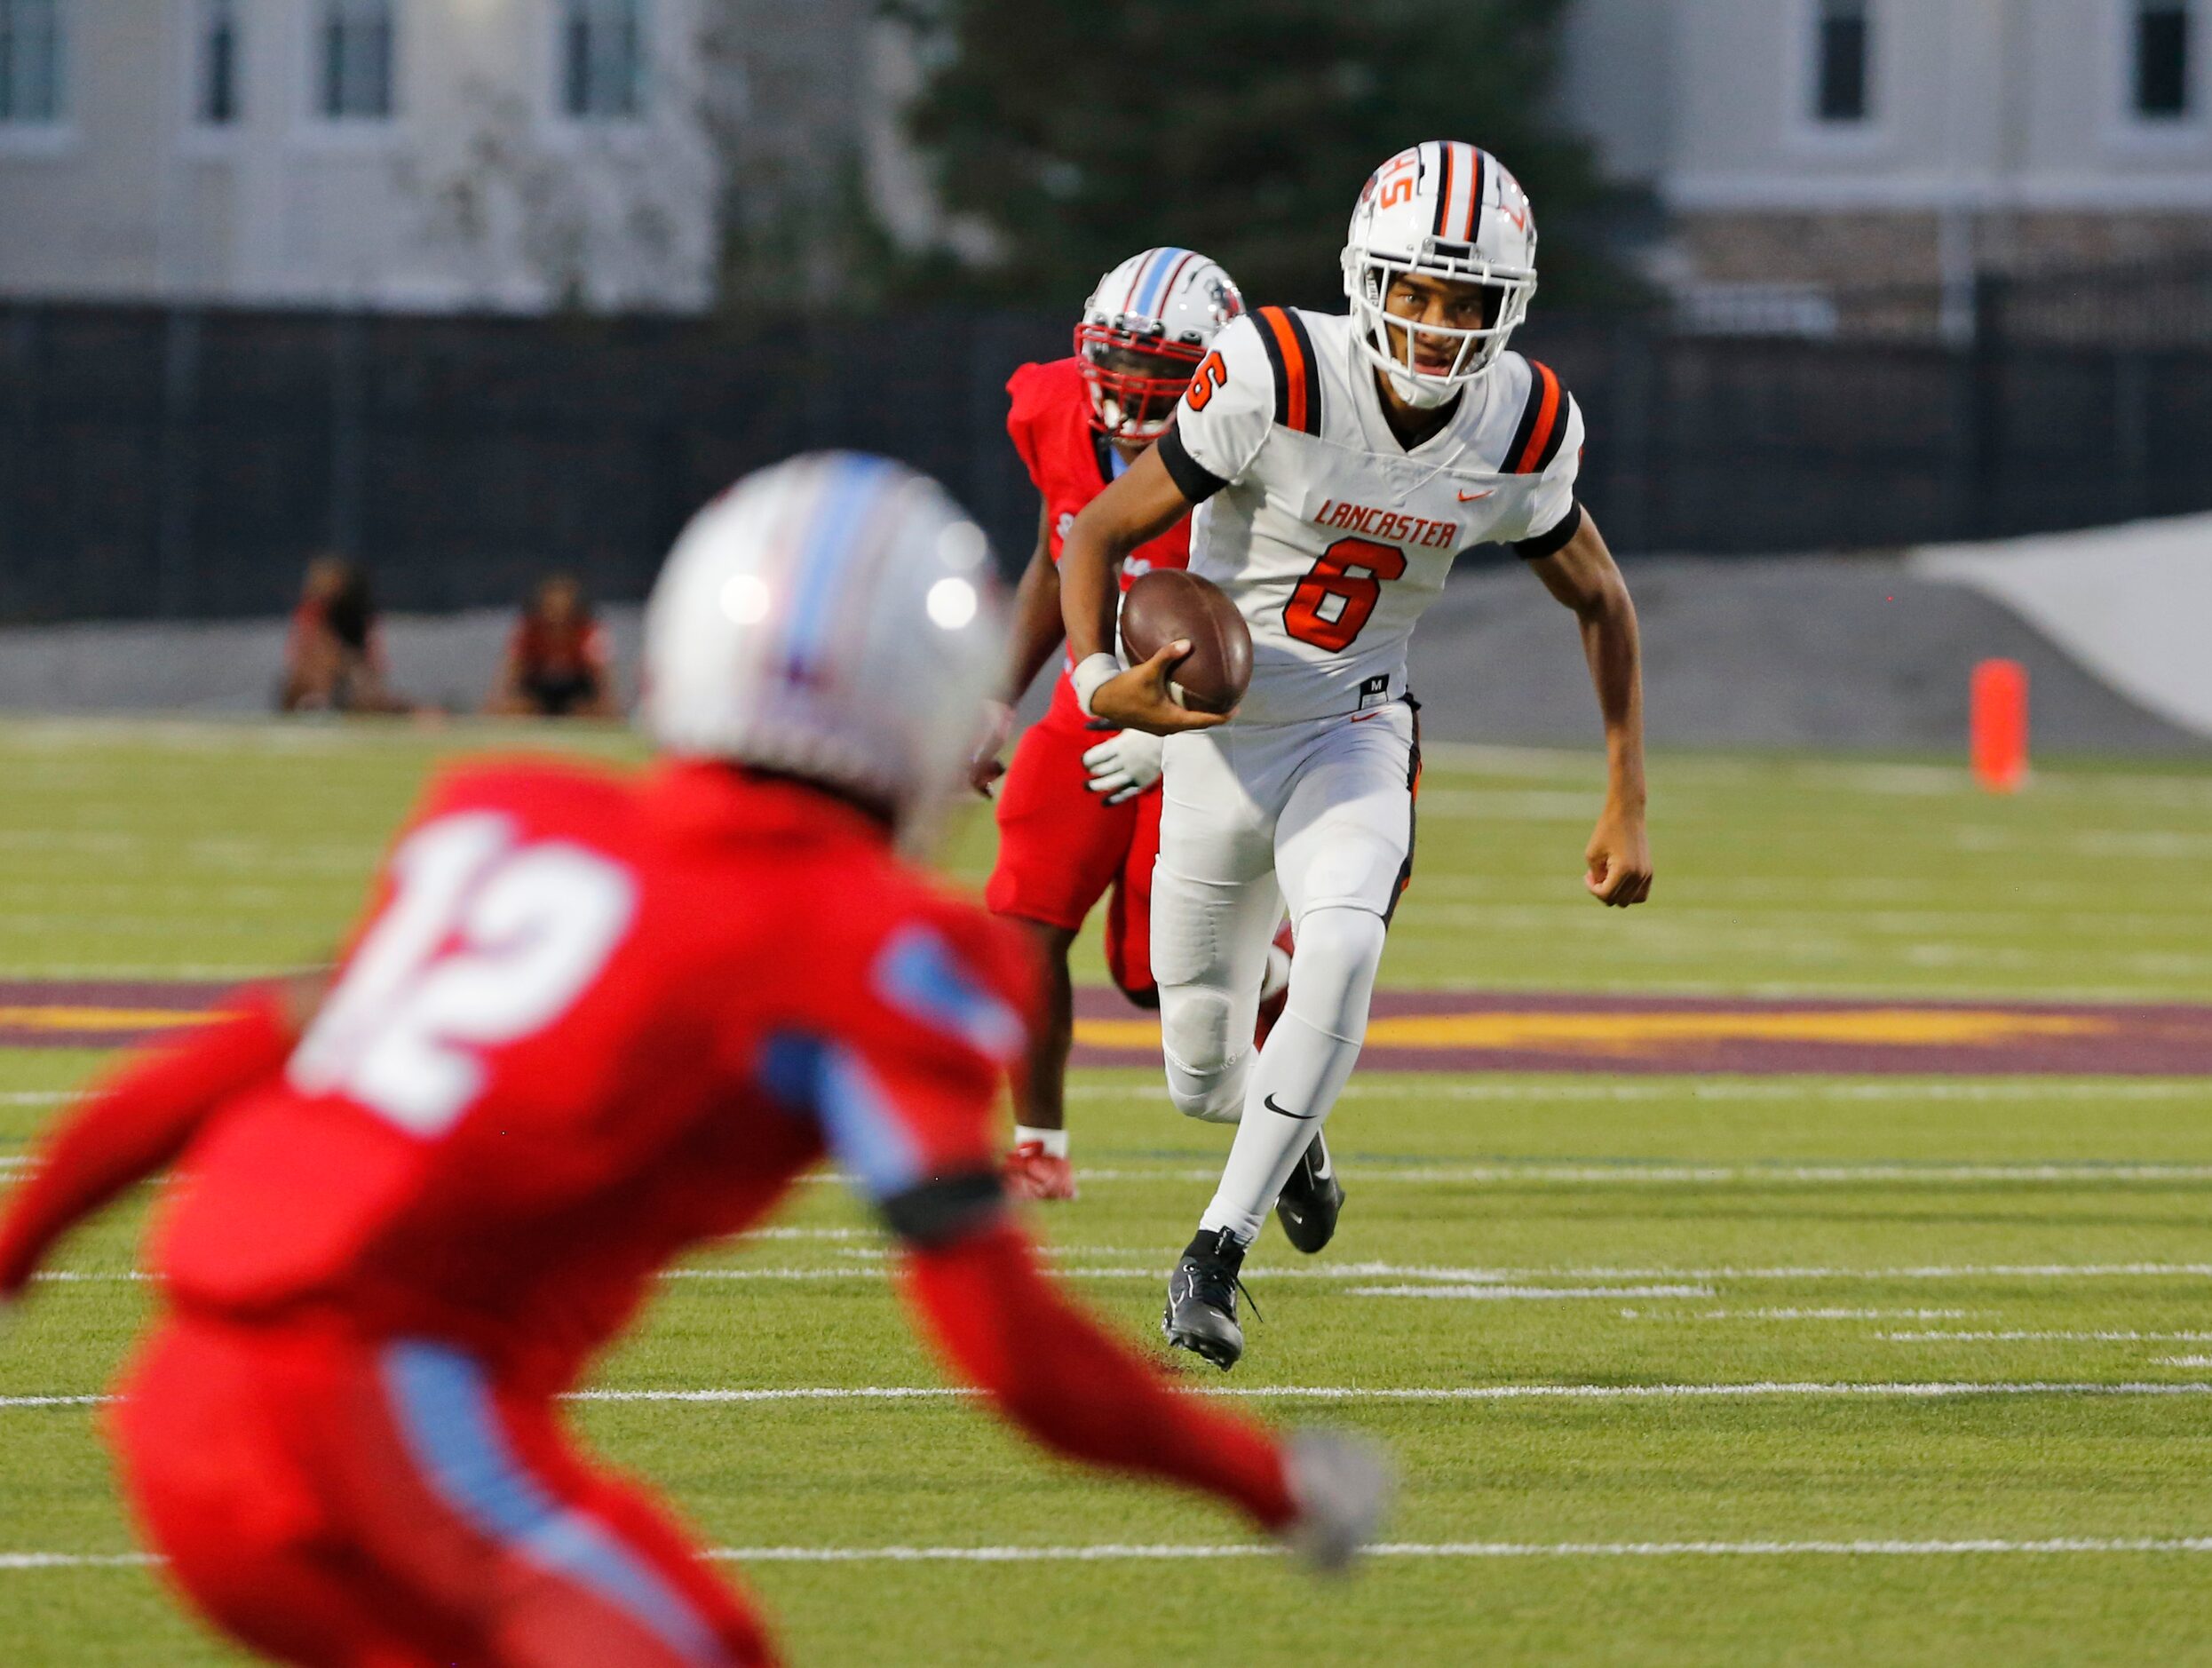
1319, 814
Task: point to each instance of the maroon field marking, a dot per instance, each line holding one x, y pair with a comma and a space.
2116, 1040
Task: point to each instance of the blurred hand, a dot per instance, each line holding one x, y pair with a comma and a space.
1124, 765
1619, 857
1138, 699
984, 766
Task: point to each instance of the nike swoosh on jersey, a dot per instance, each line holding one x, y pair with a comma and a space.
1268, 1101
1471, 497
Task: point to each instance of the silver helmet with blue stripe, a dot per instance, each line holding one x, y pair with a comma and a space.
1144, 331
834, 616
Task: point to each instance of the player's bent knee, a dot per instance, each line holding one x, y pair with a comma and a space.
1205, 1074
1195, 1026
1332, 976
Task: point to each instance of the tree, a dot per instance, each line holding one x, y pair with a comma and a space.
1082, 131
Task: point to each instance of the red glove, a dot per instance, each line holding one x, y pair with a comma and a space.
135, 1124
1055, 1372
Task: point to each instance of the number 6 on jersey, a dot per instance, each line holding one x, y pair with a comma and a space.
1350, 575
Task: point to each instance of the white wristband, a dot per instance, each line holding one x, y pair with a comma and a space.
1089, 673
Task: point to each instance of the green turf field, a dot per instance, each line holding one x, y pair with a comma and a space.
1680, 1369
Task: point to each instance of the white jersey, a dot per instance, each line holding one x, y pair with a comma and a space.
1331, 538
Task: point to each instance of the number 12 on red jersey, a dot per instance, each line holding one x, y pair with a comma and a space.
486, 940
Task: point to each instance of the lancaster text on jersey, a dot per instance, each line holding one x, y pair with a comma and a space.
1389, 524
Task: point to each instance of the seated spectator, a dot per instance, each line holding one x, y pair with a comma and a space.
333, 656
559, 663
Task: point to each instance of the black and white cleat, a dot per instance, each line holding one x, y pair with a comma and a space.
1202, 1313
1312, 1200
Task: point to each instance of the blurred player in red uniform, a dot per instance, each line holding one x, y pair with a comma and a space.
590, 1021
1079, 812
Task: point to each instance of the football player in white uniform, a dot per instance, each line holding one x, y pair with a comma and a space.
1338, 463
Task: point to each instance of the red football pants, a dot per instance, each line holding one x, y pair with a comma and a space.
1062, 848
384, 1504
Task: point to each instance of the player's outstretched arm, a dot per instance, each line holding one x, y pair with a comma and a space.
1145, 503
903, 1085
140, 1119
1583, 574
1006, 1328
1035, 633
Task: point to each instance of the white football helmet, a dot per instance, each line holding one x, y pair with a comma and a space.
834, 616
1445, 210
1161, 306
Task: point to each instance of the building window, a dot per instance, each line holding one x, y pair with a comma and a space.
355, 61
2161, 54
1841, 60
602, 59
30, 61
215, 99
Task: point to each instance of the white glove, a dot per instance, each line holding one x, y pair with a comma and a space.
1342, 1486
1124, 765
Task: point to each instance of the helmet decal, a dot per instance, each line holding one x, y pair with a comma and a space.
1444, 209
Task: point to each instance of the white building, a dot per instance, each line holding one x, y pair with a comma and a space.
1864, 142
522, 154
412, 153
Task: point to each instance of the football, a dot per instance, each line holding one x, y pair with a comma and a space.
1168, 603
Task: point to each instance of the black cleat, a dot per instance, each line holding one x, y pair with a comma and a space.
1311, 1200
1201, 1314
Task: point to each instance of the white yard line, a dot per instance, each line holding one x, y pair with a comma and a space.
141, 970
54, 1402
1436, 1087
1634, 1175
1487, 1276
88, 1276
1662, 1175
1111, 1551
1755, 1390
1500, 1276
1832, 1315
1495, 1294
2052, 1338
36, 1097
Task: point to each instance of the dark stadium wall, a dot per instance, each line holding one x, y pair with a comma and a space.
185, 464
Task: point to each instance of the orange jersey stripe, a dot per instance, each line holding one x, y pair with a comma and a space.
1547, 415
1294, 364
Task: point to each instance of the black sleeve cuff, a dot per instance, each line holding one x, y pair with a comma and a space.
940, 1211
1192, 478
1551, 544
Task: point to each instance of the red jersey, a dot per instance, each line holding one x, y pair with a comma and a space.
588, 1022
1072, 462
